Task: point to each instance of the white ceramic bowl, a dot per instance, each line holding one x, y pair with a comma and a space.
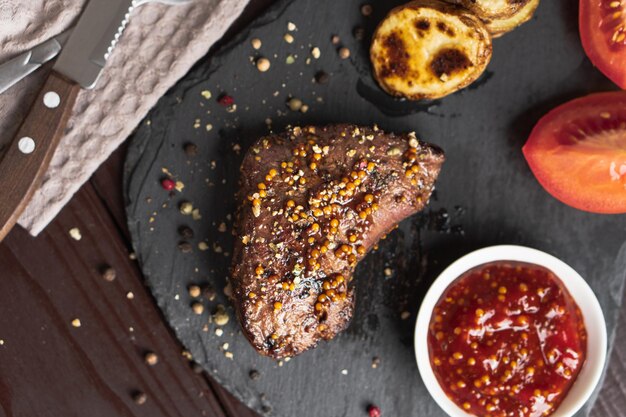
578, 288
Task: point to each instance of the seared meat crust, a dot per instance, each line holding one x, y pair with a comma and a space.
313, 202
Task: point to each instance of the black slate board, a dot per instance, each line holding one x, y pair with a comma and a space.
486, 195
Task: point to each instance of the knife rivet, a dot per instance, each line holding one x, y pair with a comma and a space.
26, 145
51, 100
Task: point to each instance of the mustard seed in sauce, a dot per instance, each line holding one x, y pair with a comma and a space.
522, 334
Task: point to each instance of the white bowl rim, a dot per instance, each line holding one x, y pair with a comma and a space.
590, 308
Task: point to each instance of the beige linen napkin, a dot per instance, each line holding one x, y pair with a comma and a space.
157, 48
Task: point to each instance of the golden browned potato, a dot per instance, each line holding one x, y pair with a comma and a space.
428, 49
492, 9
499, 26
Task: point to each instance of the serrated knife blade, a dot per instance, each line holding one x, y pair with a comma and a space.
79, 65
93, 39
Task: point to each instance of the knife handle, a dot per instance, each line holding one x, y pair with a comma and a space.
27, 158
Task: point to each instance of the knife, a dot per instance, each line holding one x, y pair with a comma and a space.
22, 65
78, 66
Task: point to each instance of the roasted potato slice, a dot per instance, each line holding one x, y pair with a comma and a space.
499, 26
492, 9
428, 49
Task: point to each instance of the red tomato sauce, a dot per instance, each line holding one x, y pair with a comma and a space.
507, 339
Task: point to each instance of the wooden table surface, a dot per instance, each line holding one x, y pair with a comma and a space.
51, 367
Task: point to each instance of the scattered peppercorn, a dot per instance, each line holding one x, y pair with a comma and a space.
263, 64
191, 149
344, 53
168, 184
256, 43
210, 293
373, 411
194, 291
139, 397
335, 39
294, 104
151, 358
185, 232
358, 33
366, 10
185, 247
254, 375
226, 100
322, 77
197, 307
108, 273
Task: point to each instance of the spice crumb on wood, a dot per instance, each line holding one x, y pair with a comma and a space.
108, 273
76, 322
139, 397
75, 233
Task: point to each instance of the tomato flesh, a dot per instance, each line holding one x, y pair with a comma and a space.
578, 153
603, 34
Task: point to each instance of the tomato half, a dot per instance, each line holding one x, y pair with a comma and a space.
603, 34
578, 152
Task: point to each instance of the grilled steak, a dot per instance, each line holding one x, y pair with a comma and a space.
314, 201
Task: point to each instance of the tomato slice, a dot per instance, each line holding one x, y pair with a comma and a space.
603, 34
578, 152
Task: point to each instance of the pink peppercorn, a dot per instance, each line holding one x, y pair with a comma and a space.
226, 100
168, 184
373, 411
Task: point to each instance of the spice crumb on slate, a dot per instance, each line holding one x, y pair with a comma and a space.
405, 315
139, 397
185, 208
202, 245
229, 355
263, 64
179, 186
291, 26
185, 247
222, 227
373, 411
151, 358
375, 362
288, 38
344, 53
290, 59
108, 273
388, 272
197, 307
195, 214
76, 322
208, 127
335, 39
75, 233
344, 372
185, 232
254, 375
191, 149
220, 317
316, 53
206, 94
256, 43
194, 291
219, 332
366, 10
